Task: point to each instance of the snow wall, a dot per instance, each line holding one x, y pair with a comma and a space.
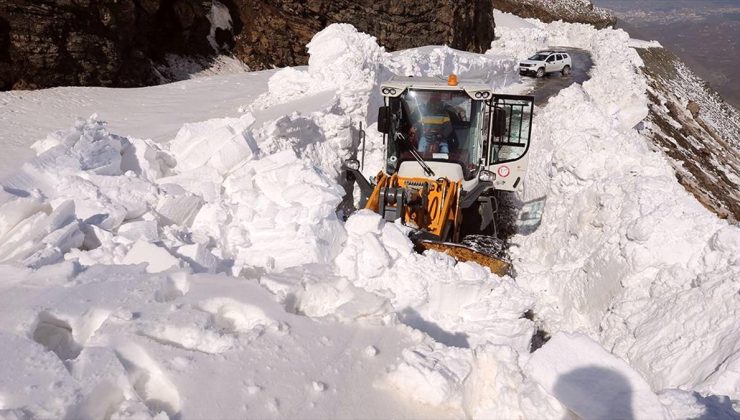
226, 245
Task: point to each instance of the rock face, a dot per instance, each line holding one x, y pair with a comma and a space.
46, 43
575, 11
696, 129
278, 30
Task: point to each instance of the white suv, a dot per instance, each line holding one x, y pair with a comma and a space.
546, 62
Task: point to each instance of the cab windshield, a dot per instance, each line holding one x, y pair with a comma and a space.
440, 126
539, 57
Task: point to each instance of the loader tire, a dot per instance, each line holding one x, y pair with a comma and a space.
472, 220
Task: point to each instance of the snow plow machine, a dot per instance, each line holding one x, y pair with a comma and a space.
450, 145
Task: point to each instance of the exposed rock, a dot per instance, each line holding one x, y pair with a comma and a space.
46, 43
95, 42
702, 147
693, 108
575, 11
278, 30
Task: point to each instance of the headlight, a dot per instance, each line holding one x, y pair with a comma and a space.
352, 164
486, 176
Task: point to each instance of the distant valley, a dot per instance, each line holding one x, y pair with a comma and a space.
704, 34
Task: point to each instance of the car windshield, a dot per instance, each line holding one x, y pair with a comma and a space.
440, 126
538, 57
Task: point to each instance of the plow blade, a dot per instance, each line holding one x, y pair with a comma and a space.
464, 253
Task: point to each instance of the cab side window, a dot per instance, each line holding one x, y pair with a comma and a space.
551, 59
560, 57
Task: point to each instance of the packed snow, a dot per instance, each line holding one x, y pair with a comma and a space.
205, 271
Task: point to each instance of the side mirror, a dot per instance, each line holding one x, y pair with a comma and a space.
486, 176
353, 164
499, 122
383, 120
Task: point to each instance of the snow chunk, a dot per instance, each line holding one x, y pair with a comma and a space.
156, 257
174, 286
146, 159
318, 386
53, 387
204, 182
233, 315
591, 382
283, 214
220, 143
43, 238
432, 375
371, 351
14, 208
340, 58
142, 229
362, 222
199, 257
178, 207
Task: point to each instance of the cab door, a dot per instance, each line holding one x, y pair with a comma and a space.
509, 132
551, 64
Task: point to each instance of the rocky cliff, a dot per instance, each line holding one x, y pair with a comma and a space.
278, 30
46, 43
95, 42
696, 129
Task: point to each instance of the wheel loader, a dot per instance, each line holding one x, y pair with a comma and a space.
449, 146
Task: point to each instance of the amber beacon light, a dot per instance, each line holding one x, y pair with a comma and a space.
452, 80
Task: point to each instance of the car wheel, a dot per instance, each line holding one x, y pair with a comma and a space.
540, 72
566, 70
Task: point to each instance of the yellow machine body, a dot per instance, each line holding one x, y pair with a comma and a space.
431, 206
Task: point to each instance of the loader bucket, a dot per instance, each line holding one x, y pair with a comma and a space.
464, 253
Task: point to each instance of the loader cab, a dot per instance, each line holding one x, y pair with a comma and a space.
440, 123
459, 130
443, 128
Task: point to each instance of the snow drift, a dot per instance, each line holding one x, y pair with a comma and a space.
213, 276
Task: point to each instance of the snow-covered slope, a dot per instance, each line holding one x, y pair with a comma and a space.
623, 252
155, 113
207, 274
697, 129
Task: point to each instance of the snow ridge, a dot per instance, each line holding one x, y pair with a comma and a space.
623, 251
136, 273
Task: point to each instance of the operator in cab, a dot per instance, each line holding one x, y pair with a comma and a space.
434, 129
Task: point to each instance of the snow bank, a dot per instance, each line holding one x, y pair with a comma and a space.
107, 242
123, 343
220, 144
85, 181
341, 59
623, 252
459, 304
591, 382
350, 65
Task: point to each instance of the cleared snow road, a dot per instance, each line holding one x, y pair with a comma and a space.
553, 83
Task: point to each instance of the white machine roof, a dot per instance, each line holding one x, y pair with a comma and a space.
476, 88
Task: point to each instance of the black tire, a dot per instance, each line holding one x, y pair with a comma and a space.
471, 222
540, 73
566, 71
